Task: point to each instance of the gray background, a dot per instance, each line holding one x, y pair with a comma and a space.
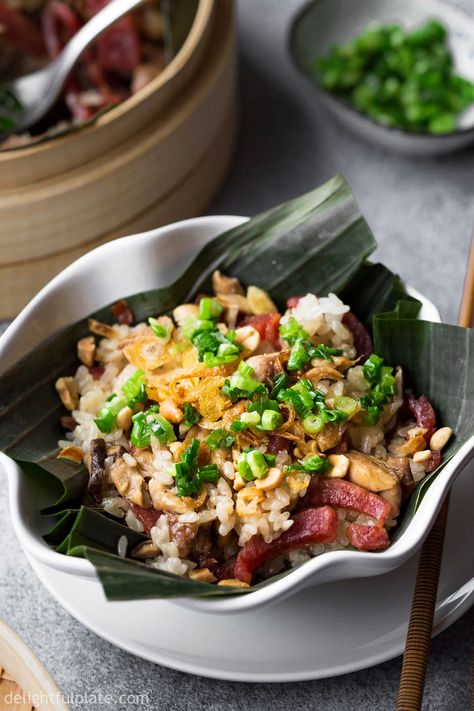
422, 213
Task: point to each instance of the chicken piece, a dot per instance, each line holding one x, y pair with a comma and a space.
265, 366
86, 350
234, 301
130, 483
68, 392
101, 329
164, 500
144, 458
369, 472
394, 497
226, 285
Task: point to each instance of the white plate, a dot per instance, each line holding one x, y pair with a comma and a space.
325, 631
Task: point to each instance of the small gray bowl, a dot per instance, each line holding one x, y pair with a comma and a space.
322, 23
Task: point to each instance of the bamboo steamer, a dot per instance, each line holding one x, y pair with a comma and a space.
47, 160
168, 169
188, 199
25, 685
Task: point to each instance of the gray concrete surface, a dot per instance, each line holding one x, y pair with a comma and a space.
422, 213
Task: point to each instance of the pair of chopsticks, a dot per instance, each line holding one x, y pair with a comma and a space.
420, 626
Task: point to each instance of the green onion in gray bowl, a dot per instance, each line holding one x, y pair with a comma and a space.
397, 73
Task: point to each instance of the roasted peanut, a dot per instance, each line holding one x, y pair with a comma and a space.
440, 438
339, 464
273, 478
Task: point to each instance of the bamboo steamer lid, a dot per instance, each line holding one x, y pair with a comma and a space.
170, 170
23, 679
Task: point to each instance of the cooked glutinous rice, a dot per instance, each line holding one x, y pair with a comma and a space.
232, 433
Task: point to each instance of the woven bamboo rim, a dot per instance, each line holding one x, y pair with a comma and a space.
420, 626
25, 685
9, 689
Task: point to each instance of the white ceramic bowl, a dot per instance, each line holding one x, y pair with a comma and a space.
147, 261
322, 23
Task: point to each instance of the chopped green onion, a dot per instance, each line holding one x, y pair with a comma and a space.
261, 405
271, 420
324, 352
191, 415
242, 384
372, 369
190, 454
134, 388
147, 424
162, 429
220, 439
140, 435
306, 391
158, 328
244, 468
214, 347
186, 485
209, 309
313, 424
257, 463
107, 417
383, 386
238, 426
188, 477
315, 464
208, 472
250, 418
291, 331
346, 404
401, 78
280, 382
192, 327
299, 356
293, 398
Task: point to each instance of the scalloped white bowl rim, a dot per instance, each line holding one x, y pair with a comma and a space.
177, 244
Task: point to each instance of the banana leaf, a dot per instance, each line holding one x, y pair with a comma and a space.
318, 242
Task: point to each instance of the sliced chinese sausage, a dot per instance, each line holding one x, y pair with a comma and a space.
370, 472
424, 413
362, 340
367, 538
147, 517
315, 525
267, 325
346, 495
433, 462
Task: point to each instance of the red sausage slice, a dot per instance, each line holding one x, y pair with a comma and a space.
338, 492
309, 526
367, 538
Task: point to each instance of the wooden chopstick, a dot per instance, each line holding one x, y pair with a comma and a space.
420, 626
